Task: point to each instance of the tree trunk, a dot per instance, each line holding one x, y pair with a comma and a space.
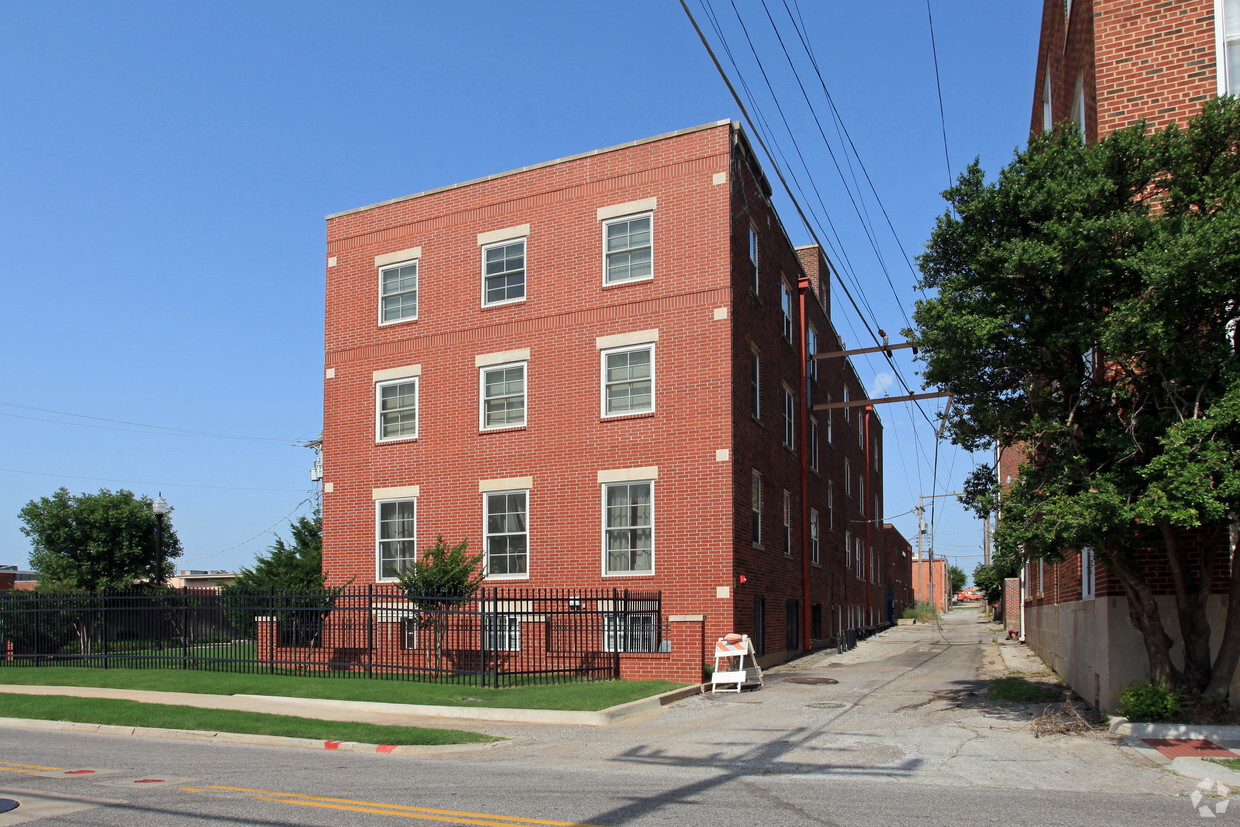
1144, 615
1229, 650
1192, 595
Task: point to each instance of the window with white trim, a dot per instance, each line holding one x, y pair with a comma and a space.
1227, 39
634, 632
785, 307
811, 347
502, 633
848, 550
830, 505
506, 533
755, 507
1048, 122
861, 494
830, 420
813, 444
846, 409
847, 478
755, 385
789, 406
628, 527
787, 524
396, 410
398, 292
1088, 578
753, 259
396, 532
627, 249
502, 390
813, 537
628, 380
1041, 569
503, 272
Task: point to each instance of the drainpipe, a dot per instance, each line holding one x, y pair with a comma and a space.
803, 392
869, 550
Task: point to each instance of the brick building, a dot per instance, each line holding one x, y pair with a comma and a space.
932, 582
1106, 64
595, 370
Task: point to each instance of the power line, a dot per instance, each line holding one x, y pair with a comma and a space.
163, 429
250, 539
143, 482
939, 86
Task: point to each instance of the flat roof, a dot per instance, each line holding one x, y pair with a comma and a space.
544, 164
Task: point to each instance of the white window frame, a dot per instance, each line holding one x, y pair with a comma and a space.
1048, 112
787, 524
848, 550
417, 418
502, 629
644, 624
482, 395
811, 347
785, 309
1089, 573
380, 540
830, 506
861, 494
813, 444
415, 263
623, 219
846, 409
755, 384
1041, 573
847, 478
789, 405
487, 534
607, 571
1224, 72
755, 282
524, 271
830, 422
814, 546
603, 396
755, 507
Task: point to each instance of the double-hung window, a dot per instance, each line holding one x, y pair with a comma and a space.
755, 506
507, 538
787, 524
830, 505
811, 347
630, 632
847, 415
789, 417
755, 385
1227, 40
830, 419
813, 537
628, 527
861, 494
785, 306
503, 395
502, 633
847, 478
1088, 578
503, 272
398, 292
813, 444
753, 259
396, 409
396, 536
627, 249
628, 380
848, 549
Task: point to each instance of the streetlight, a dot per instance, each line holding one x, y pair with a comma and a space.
160, 507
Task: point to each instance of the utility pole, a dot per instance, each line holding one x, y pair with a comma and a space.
921, 529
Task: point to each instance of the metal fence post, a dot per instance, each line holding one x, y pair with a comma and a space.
184, 628
482, 638
370, 629
271, 630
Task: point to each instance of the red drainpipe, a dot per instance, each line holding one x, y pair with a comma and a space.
803, 396
869, 551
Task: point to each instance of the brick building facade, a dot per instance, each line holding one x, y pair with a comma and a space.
595, 370
1106, 64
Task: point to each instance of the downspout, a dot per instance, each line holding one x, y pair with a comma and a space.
803, 392
869, 550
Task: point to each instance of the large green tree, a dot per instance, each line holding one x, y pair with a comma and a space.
296, 566
1085, 312
96, 541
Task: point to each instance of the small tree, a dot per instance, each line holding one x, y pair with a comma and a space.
97, 541
437, 582
958, 577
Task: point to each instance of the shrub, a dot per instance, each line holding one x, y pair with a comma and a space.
1151, 702
922, 612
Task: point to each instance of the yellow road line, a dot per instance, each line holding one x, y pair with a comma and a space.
424, 816
398, 809
4, 765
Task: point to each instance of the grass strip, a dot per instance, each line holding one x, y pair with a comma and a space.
1019, 690
589, 696
133, 713
1229, 763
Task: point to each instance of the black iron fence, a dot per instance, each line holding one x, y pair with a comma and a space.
494, 637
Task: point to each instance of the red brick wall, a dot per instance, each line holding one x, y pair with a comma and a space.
1011, 604
700, 300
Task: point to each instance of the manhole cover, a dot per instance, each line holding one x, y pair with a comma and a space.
811, 681
826, 705
7, 804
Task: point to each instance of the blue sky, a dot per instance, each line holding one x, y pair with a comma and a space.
165, 170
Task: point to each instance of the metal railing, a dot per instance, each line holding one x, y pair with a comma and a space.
494, 637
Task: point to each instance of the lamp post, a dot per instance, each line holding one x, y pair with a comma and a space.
160, 507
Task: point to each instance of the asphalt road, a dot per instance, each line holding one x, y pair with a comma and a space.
898, 739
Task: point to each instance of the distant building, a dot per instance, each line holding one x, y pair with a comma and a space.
202, 579
12, 577
932, 582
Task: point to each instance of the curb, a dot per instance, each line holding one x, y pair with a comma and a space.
242, 738
1128, 729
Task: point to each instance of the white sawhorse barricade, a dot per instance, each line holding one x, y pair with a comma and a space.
731, 671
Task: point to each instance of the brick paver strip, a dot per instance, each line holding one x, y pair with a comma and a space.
1189, 748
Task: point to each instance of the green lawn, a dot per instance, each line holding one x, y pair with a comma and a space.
130, 713
581, 695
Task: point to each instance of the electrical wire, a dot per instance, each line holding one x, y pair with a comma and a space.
144, 482
161, 429
306, 501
